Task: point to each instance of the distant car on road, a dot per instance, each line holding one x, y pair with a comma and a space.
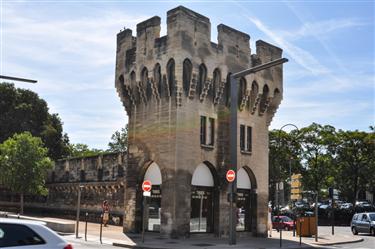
29, 234
282, 222
363, 223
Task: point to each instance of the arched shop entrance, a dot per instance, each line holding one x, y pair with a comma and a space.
202, 193
246, 200
153, 174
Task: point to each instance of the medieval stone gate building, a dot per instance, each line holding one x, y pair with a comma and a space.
175, 91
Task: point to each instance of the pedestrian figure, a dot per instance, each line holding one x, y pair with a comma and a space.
270, 221
105, 208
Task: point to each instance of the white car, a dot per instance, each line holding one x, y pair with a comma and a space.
29, 235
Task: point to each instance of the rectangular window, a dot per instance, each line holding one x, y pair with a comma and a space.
203, 130
249, 139
242, 137
211, 131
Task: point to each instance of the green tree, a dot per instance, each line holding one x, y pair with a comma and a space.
355, 162
284, 158
82, 150
317, 152
24, 164
119, 141
22, 110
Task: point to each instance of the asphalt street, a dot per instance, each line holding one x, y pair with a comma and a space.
367, 243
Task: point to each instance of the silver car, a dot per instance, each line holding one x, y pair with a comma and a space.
363, 223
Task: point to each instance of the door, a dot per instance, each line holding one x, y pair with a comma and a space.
201, 218
243, 210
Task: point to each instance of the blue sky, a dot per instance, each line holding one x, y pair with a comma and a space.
69, 47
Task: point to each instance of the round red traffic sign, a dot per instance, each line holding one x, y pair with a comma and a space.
146, 186
231, 175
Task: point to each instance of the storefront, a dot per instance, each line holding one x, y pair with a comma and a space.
244, 204
202, 185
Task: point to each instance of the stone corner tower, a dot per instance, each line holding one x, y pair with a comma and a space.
175, 90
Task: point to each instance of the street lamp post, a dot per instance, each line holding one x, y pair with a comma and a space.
78, 208
17, 79
233, 134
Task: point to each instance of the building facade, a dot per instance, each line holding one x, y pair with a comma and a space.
175, 90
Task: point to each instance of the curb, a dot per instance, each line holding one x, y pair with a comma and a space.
136, 246
339, 243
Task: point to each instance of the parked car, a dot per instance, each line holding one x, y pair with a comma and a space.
29, 234
363, 223
282, 222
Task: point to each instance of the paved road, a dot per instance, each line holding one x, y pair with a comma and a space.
82, 244
367, 243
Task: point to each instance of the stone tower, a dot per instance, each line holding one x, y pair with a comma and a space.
175, 91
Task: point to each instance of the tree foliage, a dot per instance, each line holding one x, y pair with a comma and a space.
119, 141
326, 158
22, 110
82, 150
24, 164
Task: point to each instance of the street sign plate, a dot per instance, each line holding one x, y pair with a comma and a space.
231, 175
147, 193
146, 186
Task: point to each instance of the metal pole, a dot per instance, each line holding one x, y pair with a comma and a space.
78, 210
17, 79
101, 228
200, 213
281, 234
233, 155
86, 226
300, 232
316, 216
333, 216
143, 219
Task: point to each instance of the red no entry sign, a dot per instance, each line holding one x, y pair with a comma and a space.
231, 175
146, 186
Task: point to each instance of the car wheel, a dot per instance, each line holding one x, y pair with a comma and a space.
354, 231
287, 228
372, 231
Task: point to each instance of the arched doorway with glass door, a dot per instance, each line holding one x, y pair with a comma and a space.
152, 218
202, 200
246, 200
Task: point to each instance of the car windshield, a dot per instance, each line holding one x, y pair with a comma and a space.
287, 219
372, 217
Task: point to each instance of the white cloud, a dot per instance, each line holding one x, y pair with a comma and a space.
73, 60
321, 28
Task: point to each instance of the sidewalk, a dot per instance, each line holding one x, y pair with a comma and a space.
113, 235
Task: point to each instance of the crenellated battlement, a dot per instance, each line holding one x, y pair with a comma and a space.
180, 66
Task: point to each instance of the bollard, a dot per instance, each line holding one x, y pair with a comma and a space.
86, 226
18, 215
101, 228
294, 226
281, 234
300, 233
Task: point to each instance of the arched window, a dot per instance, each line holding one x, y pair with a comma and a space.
134, 86
212, 93
171, 76
157, 78
241, 91
146, 83
253, 94
186, 75
227, 91
263, 100
201, 78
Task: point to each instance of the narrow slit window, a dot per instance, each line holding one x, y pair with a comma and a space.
249, 138
203, 130
242, 137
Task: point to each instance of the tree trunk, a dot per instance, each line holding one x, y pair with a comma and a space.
21, 203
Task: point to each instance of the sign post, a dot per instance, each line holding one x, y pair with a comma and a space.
146, 187
231, 176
